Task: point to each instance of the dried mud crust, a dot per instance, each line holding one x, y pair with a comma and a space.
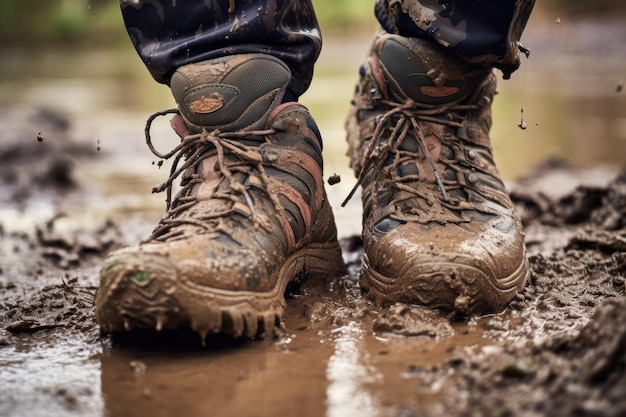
560, 348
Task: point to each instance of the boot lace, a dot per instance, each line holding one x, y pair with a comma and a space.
408, 116
190, 152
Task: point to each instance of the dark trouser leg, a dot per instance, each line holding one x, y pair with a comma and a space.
169, 34
486, 31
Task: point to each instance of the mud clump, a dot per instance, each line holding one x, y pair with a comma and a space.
66, 305
592, 205
597, 361
412, 321
69, 248
583, 375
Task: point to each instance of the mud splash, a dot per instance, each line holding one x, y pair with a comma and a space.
560, 349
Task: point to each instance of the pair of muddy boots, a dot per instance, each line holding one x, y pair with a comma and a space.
252, 214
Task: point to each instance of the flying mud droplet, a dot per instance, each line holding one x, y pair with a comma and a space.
522, 124
334, 179
619, 87
98, 146
39, 137
524, 50
557, 21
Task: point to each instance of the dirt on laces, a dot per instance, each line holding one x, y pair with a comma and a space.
558, 350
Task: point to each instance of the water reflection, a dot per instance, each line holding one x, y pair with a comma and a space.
347, 375
262, 378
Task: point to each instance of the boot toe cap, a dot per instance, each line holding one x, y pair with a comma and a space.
447, 267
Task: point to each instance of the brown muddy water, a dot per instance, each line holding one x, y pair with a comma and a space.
83, 189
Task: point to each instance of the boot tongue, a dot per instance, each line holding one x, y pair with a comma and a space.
230, 93
424, 72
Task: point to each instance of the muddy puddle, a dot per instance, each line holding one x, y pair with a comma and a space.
559, 349
83, 189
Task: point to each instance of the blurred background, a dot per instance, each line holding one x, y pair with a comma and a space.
69, 63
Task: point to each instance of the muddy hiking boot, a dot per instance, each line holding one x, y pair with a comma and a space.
250, 218
439, 228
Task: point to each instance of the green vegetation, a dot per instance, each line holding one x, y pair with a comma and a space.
43, 22
345, 17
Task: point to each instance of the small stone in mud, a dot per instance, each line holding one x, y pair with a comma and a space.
138, 367
520, 369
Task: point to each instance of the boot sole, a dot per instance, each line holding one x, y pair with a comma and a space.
123, 305
448, 286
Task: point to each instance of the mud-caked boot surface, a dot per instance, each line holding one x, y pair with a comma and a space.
251, 215
439, 228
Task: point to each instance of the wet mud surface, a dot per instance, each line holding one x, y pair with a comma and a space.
559, 349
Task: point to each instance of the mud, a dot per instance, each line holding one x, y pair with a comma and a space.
559, 349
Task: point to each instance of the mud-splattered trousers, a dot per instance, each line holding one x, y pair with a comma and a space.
170, 33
